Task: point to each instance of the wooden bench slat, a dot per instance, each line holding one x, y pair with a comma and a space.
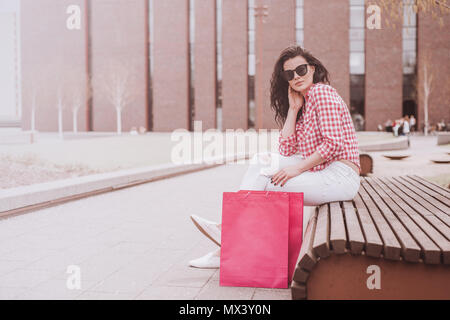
298, 291
428, 202
410, 249
373, 245
338, 238
321, 243
300, 275
391, 247
443, 192
423, 211
434, 234
430, 252
433, 197
355, 234
307, 257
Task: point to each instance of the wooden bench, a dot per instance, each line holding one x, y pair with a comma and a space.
443, 137
366, 163
396, 230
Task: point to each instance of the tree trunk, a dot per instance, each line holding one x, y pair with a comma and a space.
426, 94
60, 122
33, 118
119, 120
75, 122
425, 108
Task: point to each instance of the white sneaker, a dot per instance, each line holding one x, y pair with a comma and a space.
208, 228
209, 261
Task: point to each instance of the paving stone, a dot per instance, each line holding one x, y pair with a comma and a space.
24, 278
185, 277
213, 291
139, 273
53, 289
168, 293
92, 295
10, 293
28, 254
272, 294
7, 266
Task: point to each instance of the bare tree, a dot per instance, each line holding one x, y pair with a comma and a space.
426, 86
78, 92
116, 84
394, 8
35, 81
57, 75
60, 104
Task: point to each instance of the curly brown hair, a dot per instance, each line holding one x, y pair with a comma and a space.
279, 100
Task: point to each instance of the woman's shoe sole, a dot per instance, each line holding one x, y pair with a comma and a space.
204, 232
191, 266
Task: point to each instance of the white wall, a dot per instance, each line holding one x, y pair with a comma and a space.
10, 96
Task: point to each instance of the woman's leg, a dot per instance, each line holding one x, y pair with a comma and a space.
337, 182
262, 163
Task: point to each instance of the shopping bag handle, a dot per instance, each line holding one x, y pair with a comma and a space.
246, 195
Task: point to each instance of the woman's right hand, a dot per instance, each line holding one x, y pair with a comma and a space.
296, 100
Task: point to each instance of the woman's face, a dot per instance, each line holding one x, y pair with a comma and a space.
299, 83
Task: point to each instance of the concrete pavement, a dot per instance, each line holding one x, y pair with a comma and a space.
422, 150
132, 243
135, 243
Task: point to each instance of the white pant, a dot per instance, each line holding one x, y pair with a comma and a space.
337, 182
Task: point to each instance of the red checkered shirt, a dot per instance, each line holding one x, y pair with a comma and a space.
325, 125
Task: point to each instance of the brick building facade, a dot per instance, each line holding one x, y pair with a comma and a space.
186, 60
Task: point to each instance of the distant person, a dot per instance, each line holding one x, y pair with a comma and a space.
388, 125
406, 126
412, 123
396, 128
400, 129
358, 121
441, 126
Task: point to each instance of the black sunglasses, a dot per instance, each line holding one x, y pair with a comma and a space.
301, 70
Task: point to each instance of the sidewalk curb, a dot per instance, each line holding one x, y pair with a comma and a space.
400, 144
23, 199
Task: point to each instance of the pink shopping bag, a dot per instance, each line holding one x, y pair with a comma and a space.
255, 238
295, 227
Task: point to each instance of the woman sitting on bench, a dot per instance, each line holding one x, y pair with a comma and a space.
318, 150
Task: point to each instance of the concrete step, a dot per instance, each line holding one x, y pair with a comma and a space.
13, 136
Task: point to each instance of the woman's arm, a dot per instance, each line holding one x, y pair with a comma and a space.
313, 160
292, 171
289, 124
288, 144
331, 126
296, 102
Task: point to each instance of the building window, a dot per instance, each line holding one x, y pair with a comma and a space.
299, 29
409, 37
251, 63
150, 57
409, 41
191, 62
357, 25
357, 63
219, 64
10, 65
